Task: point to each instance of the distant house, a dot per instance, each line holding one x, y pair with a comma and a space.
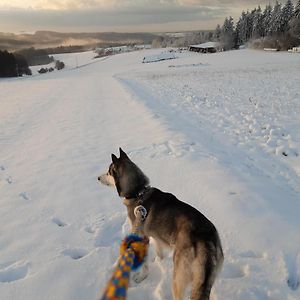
209, 47
295, 49
112, 50
142, 47
271, 49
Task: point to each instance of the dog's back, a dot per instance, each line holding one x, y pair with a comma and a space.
197, 247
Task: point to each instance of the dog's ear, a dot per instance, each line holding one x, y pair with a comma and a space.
122, 154
114, 158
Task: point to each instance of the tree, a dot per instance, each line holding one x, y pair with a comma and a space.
12, 65
294, 23
275, 21
217, 33
296, 13
59, 65
241, 29
43, 70
285, 17
36, 57
277, 27
8, 66
22, 65
266, 20
257, 29
157, 43
248, 25
228, 34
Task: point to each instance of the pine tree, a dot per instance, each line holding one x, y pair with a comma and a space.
8, 66
248, 26
266, 19
296, 13
217, 33
275, 19
280, 24
239, 29
228, 34
257, 29
285, 16
294, 24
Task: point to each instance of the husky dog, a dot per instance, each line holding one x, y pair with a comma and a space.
198, 254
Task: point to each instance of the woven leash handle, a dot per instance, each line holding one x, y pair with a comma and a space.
133, 251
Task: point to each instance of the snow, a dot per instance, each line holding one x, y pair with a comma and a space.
221, 132
71, 61
206, 45
158, 57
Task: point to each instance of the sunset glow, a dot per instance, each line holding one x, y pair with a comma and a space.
118, 15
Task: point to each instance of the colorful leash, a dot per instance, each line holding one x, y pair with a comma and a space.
133, 251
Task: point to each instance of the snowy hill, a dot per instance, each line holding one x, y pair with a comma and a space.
220, 131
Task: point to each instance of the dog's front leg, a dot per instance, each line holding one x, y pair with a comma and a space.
158, 249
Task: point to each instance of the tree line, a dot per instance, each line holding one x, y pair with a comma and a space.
13, 65
185, 40
275, 27
36, 57
17, 63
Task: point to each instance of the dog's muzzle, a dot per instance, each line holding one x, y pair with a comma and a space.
107, 180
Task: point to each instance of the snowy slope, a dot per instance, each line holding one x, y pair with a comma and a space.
71, 61
221, 131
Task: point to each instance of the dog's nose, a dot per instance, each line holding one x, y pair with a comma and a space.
99, 178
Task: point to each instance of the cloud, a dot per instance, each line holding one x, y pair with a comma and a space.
87, 14
119, 4
116, 14
114, 4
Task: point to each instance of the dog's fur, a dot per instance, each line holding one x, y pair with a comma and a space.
198, 254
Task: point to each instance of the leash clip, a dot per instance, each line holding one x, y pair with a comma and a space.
141, 211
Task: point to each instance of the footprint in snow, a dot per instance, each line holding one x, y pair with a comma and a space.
14, 271
234, 271
75, 253
89, 229
59, 222
292, 263
9, 180
252, 254
92, 226
232, 193
111, 231
293, 283
174, 148
24, 196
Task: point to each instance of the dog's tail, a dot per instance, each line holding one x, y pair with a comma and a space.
208, 263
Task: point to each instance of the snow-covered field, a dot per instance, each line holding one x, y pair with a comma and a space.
220, 131
71, 61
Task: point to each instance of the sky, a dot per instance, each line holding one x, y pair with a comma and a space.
118, 15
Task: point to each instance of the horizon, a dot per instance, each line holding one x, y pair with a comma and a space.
127, 16
87, 32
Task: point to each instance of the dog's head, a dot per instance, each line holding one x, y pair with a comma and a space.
126, 176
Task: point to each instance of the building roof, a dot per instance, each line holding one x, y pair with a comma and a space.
158, 57
206, 45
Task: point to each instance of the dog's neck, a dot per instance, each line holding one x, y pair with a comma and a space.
138, 199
